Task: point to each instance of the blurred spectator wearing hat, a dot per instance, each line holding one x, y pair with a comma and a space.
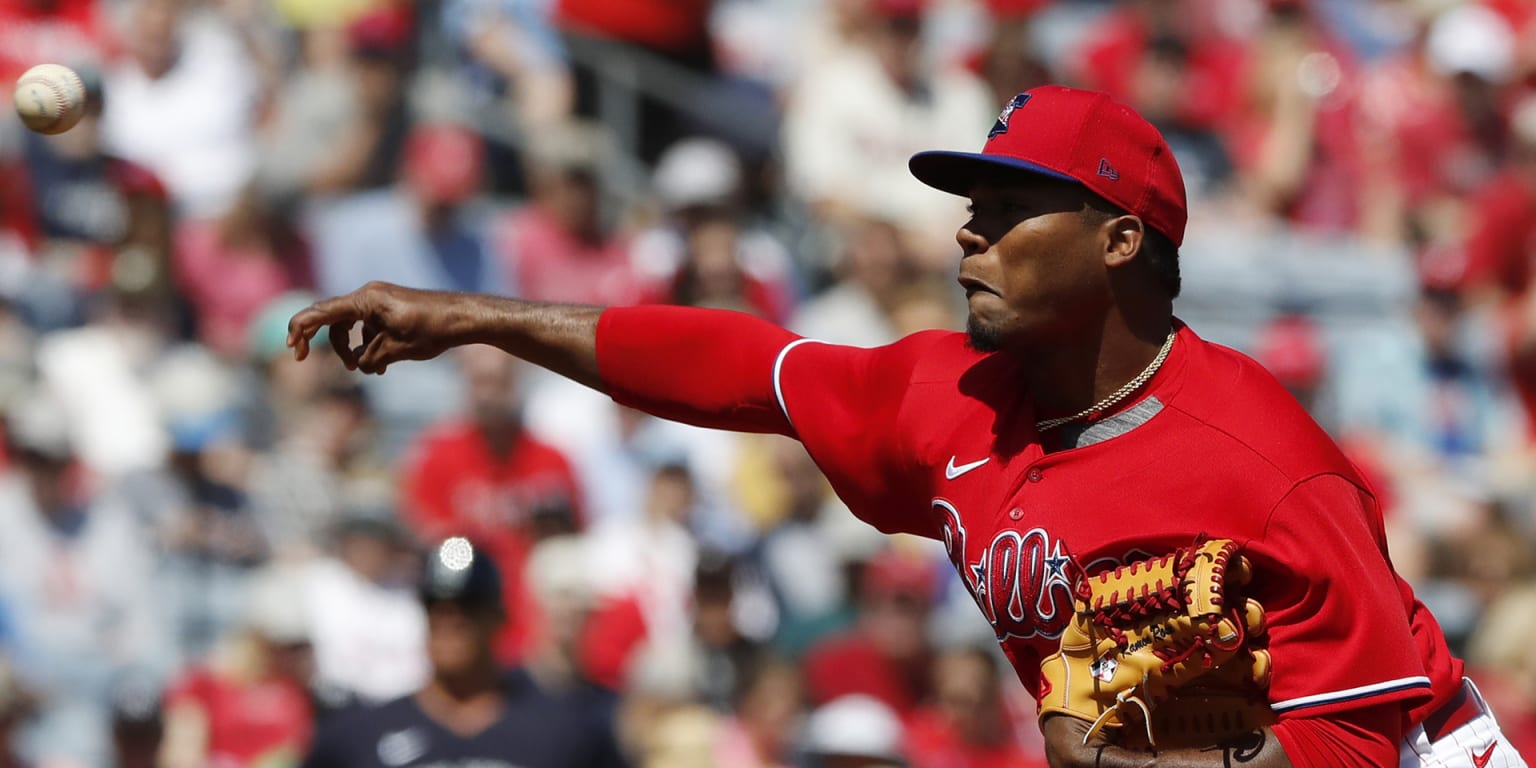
471, 709
430, 230
706, 250
184, 103
76, 580
425, 232
248, 705
850, 126
855, 731
1436, 110
483, 475
366, 627
886, 654
560, 246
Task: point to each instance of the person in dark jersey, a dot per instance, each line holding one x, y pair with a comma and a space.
471, 712
1077, 425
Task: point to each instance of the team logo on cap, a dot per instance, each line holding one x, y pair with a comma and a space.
1001, 126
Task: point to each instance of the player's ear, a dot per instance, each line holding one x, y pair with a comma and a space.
1123, 237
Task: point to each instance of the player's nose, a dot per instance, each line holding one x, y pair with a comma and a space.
971, 242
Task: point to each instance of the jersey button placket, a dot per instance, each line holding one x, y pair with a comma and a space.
1034, 475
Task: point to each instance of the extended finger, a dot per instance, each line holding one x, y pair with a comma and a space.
308, 321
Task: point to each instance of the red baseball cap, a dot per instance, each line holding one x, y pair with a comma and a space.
1074, 135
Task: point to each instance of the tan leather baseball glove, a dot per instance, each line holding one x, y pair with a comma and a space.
1166, 646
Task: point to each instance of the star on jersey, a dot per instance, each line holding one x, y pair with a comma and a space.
1056, 566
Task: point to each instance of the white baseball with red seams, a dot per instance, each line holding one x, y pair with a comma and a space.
50, 98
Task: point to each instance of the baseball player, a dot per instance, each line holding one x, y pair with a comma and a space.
1075, 426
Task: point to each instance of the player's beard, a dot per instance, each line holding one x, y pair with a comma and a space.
982, 337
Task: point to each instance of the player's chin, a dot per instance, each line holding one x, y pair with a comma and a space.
982, 335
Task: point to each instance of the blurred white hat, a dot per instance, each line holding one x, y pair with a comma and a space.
1472, 39
559, 569
855, 726
697, 171
275, 605
38, 422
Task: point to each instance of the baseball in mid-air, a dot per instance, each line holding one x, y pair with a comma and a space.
50, 98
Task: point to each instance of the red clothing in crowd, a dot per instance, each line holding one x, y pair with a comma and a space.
263, 722
1503, 235
934, 742
456, 486
665, 25
227, 285
70, 32
1112, 57
551, 264
849, 663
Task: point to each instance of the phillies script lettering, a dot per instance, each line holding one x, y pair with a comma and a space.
1019, 579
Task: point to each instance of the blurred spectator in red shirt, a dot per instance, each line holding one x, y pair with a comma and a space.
231, 268
486, 478
886, 654
1112, 57
559, 247
1295, 141
970, 724
1501, 243
248, 707
1433, 107
69, 32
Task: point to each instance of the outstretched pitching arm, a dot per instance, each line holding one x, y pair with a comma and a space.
707, 367
408, 324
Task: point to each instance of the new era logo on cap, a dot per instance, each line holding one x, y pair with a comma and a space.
1074, 135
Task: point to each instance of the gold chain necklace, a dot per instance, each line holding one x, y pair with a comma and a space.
1119, 394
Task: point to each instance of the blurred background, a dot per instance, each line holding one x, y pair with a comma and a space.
206, 549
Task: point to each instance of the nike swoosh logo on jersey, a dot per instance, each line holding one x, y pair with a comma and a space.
1482, 760
951, 472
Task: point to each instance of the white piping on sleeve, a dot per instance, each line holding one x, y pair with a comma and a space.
1348, 694
778, 365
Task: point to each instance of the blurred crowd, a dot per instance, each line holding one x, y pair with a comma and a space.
207, 550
